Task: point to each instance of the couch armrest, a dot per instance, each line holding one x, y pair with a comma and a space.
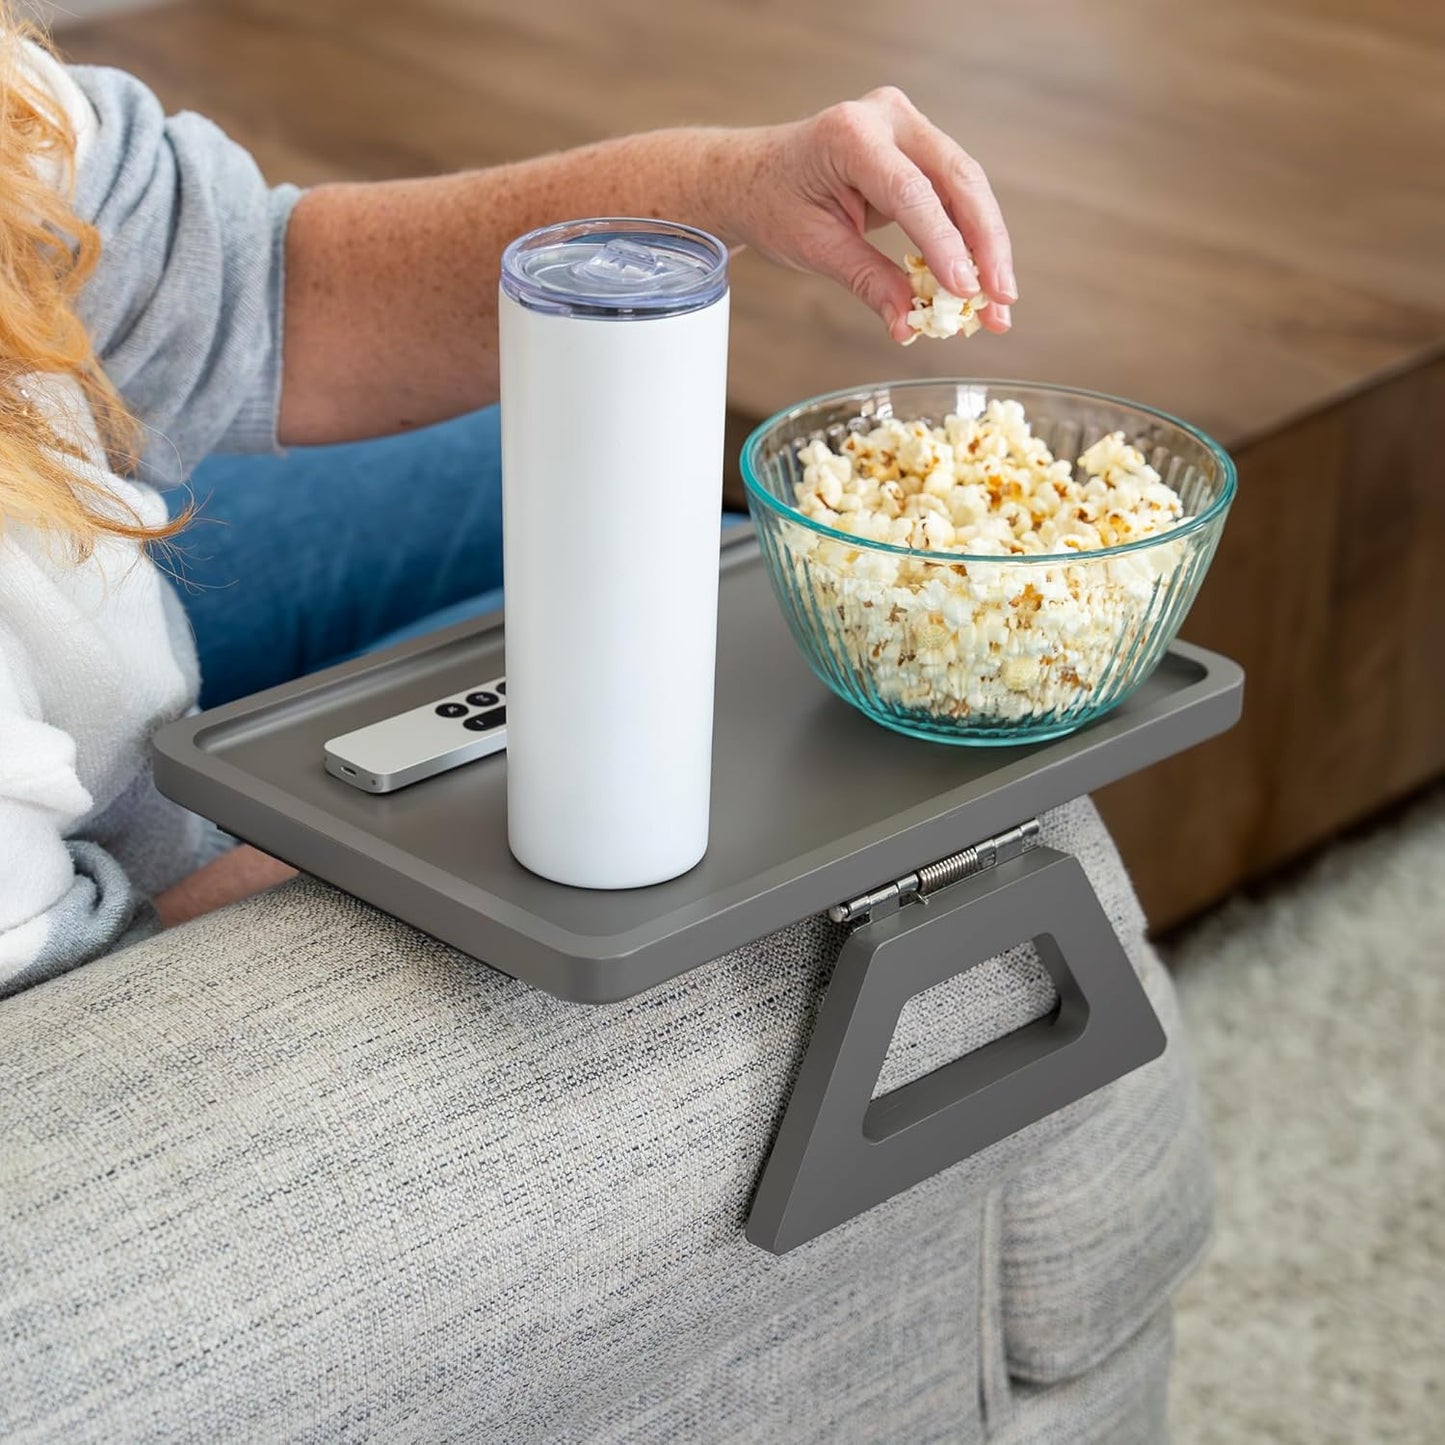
296, 1169
297, 1163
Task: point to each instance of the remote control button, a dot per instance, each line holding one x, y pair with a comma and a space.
484, 722
452, 709
483, 699
502, 687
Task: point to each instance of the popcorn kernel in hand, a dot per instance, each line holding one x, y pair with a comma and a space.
936, 312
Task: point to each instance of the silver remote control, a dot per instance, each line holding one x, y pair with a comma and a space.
422, 742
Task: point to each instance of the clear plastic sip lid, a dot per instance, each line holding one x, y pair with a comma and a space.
615, 269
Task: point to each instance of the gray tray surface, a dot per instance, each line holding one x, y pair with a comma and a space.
812, 803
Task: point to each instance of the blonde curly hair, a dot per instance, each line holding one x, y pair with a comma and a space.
46, 255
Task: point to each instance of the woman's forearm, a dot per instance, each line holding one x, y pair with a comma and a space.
239, 874
391, 288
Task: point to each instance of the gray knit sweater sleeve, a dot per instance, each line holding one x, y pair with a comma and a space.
185, 306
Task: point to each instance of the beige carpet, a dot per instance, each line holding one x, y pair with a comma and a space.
1317, 1019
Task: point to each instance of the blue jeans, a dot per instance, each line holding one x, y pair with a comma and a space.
301, 561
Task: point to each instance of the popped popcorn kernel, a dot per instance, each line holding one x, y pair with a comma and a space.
936, 312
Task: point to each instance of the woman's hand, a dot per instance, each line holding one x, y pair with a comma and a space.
806, 194
227, 879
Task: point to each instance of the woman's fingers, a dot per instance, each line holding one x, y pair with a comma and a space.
868, 157
875, 280
996, 317
962, 189
971, 200
965, 189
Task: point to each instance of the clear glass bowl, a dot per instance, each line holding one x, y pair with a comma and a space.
1052, 642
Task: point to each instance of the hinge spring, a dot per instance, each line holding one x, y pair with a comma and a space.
933, 876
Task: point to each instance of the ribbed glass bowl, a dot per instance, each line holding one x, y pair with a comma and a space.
965, 649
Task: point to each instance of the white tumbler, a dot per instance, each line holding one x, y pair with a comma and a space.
613, 375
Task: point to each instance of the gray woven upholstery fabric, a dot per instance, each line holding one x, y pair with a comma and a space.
297, 1172
1123, 1400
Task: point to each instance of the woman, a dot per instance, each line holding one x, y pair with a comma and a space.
158, 302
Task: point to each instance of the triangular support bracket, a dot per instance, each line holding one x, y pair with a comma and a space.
840, 1152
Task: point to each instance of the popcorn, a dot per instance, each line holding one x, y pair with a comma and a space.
986, 642
937, 312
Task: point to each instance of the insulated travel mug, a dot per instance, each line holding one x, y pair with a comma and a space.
613, 374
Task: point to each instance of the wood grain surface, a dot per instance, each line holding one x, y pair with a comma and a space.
1329, 586
1234, 211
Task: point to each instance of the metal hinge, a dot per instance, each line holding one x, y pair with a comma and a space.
915, 887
